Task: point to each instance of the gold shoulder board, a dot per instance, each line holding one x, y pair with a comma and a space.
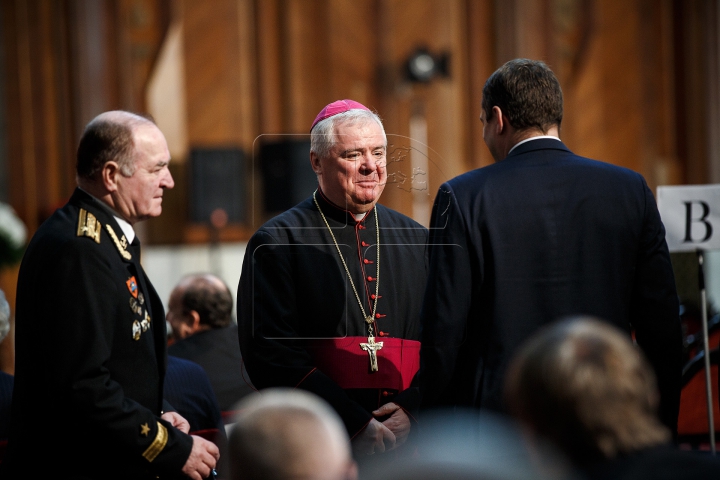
88, 226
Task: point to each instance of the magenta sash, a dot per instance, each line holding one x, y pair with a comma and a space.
348, 365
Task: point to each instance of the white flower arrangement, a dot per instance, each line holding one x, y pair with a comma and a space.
13, 235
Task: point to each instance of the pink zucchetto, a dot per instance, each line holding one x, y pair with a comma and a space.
338, 106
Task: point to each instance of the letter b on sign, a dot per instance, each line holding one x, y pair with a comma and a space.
696, 213
691, 214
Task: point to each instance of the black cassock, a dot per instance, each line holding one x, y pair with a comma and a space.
300, 321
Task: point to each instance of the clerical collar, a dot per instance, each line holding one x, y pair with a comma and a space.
531, 139
124, 225
338, 213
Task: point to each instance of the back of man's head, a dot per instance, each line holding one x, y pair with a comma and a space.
585, 386
288, 434
108, 137
209, 296
527, 92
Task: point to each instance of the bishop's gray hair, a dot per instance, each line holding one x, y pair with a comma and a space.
322, 136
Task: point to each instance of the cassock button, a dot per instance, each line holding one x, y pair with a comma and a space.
362, 226
370, 279
364, 244
381, 333
373, 296
366, 261
379, 315
385, 393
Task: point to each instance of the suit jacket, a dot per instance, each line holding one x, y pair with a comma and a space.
217, 351
537, 236
294, 290
89, 373
188, 390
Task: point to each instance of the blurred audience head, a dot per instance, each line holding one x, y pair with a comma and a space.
582, 384
4, 316
289, 434
468, 444
199, 302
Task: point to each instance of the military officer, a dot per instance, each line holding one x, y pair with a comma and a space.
90, 335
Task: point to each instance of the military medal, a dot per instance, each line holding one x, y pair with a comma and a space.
371, 346
141, 298
145, 324
132, 286
135, 307
136, 330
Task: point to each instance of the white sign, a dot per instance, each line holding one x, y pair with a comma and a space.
691, 214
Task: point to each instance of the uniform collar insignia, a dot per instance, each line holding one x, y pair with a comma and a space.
88, 226
125, 254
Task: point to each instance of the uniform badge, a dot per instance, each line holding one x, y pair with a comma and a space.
136, 330
132, 286
113, 236
141, 298
144, 429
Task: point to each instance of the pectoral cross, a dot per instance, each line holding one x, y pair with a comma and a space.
371, 347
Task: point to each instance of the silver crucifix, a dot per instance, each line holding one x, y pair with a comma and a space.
371, 347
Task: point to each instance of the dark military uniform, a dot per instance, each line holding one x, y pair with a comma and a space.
300, 321
90, 356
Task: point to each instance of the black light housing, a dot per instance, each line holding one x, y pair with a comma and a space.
422, 66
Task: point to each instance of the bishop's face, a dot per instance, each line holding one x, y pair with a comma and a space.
354, 174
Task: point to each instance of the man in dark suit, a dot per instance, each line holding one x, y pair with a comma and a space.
540, 234
90, 338
200, 314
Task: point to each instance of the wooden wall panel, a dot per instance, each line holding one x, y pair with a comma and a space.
353, 53
603, 116
306, 55
630, 69
481, 64
691, 89
440, 27
212, 72
270, 77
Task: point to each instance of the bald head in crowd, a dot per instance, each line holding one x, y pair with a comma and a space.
582, 384
289, 434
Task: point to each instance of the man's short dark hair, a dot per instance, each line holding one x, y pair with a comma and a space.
109, 136
527, 92
212, 302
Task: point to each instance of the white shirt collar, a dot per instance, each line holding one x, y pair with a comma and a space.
532, 138
126, 228
124, 225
